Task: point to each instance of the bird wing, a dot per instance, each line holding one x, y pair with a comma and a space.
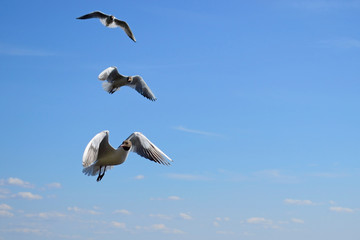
96, 14
142, 146
125, 27
140, 85
110, 74
98, 146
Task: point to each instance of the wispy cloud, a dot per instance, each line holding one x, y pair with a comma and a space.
298, 202
5, 213
20, 51
27, 230
4, 206
219, 220
258, 220
123, 211
118, 224
275, 175
46, 215
204, 133
53, 185
172, 198
160, 228
80, 210
28, 195
139, 177
297, 220
188, 177
16, 182
346, 43
342, 209
161, 216
5, 210
185, 216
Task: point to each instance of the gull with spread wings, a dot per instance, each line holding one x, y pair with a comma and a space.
110, 21
114, 80
99, 156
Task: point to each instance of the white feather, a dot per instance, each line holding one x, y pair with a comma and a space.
107, 86
105, 74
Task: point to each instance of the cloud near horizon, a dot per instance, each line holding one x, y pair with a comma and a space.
204, 133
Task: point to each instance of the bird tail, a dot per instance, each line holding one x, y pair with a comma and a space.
109, 87
91, 170
94, 170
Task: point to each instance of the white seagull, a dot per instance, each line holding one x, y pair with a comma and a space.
114, 81
110, 21
100, 156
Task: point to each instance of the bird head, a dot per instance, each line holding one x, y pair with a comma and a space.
130, 79
126, 145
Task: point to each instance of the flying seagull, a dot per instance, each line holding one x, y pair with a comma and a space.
114, 80
110, 21
100, 156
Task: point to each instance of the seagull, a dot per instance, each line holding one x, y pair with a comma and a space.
114, 80
99, 156
110, 21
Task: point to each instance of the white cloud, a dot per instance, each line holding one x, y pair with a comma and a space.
16, 182
123, 211
216, 224
342, 209
46, 215
298, 202
160, 227
29, 195
258, 220
185, 216
174, 198
4, 193
6, 213
26, 230
54, 185
80, 210
296, 220
275, 175
184, 129
118, 224
161, 216
4, 206
139, 177
18, 51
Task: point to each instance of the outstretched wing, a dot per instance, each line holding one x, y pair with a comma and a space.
92, 150
96, 14
139, 85
125, 27
110, 74
142, 146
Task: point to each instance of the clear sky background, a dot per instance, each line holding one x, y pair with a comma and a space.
258, 106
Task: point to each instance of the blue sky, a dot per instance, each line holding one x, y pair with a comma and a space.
258, 106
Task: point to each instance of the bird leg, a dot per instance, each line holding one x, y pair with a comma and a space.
101, 175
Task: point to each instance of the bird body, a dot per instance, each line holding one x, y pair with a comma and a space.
110, 21
113, 81
99, 156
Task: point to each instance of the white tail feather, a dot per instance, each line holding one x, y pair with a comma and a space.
94, 170
107, 86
